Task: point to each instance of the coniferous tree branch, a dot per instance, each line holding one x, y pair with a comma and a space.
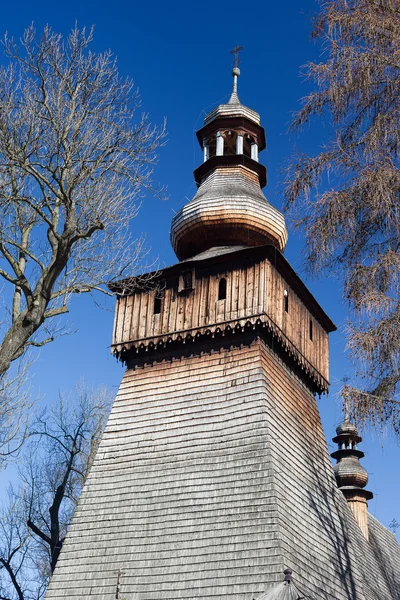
347, 197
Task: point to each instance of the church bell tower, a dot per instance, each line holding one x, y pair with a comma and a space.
213, 476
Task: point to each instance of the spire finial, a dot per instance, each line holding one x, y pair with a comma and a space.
235, 72
235, 51
288, 575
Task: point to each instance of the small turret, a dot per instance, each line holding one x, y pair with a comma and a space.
351, 477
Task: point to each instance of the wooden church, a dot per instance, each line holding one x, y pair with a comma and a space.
213, 480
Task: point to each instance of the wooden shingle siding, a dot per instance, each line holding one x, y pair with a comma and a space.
213, 476
253, 290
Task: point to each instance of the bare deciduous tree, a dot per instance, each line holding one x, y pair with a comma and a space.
72, 162
14, 547
74, 158
58, 456
347, 198
14, 411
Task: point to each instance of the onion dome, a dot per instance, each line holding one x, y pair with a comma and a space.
229, 208
347, 428
350, 476
348, 471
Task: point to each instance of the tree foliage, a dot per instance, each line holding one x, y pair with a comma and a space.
57, 457
347, 197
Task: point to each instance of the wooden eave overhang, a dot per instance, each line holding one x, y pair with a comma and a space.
350, 491
233, 123
259, 324
230, 160
347, 453
268, 251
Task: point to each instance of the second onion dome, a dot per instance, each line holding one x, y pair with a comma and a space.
349, 474
229, 208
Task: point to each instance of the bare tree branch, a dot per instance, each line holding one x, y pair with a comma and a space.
56, 460
73, 160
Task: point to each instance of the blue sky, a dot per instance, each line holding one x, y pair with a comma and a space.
178, 55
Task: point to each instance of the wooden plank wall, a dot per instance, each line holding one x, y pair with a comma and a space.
252, 289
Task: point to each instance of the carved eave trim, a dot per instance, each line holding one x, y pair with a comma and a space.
261, 322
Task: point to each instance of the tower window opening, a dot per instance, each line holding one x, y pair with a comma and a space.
222, 289
220, 141
230, 143
247, 143
157, 305
212, 146
311, 330
186, 280
286, 301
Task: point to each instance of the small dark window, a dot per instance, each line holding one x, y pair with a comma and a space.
311, 329
186, 281
230, 143
286, 301
157, 305
222, 289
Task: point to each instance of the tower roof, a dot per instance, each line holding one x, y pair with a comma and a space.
229, 208
233, 108
346, 427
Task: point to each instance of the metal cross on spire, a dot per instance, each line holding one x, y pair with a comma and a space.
236, 51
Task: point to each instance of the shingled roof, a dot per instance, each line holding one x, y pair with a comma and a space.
287, 590
209, 490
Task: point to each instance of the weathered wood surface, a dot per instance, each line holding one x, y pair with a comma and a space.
232, 110
254, 290
229, 208
359, 508
213, 476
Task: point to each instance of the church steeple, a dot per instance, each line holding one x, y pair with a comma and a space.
234, 99
229, 208
213, 473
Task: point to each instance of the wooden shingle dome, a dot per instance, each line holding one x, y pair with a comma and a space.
348, 471
347, 429
229, 207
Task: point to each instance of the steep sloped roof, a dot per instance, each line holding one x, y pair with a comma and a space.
208, 490
282, 591
386, 553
